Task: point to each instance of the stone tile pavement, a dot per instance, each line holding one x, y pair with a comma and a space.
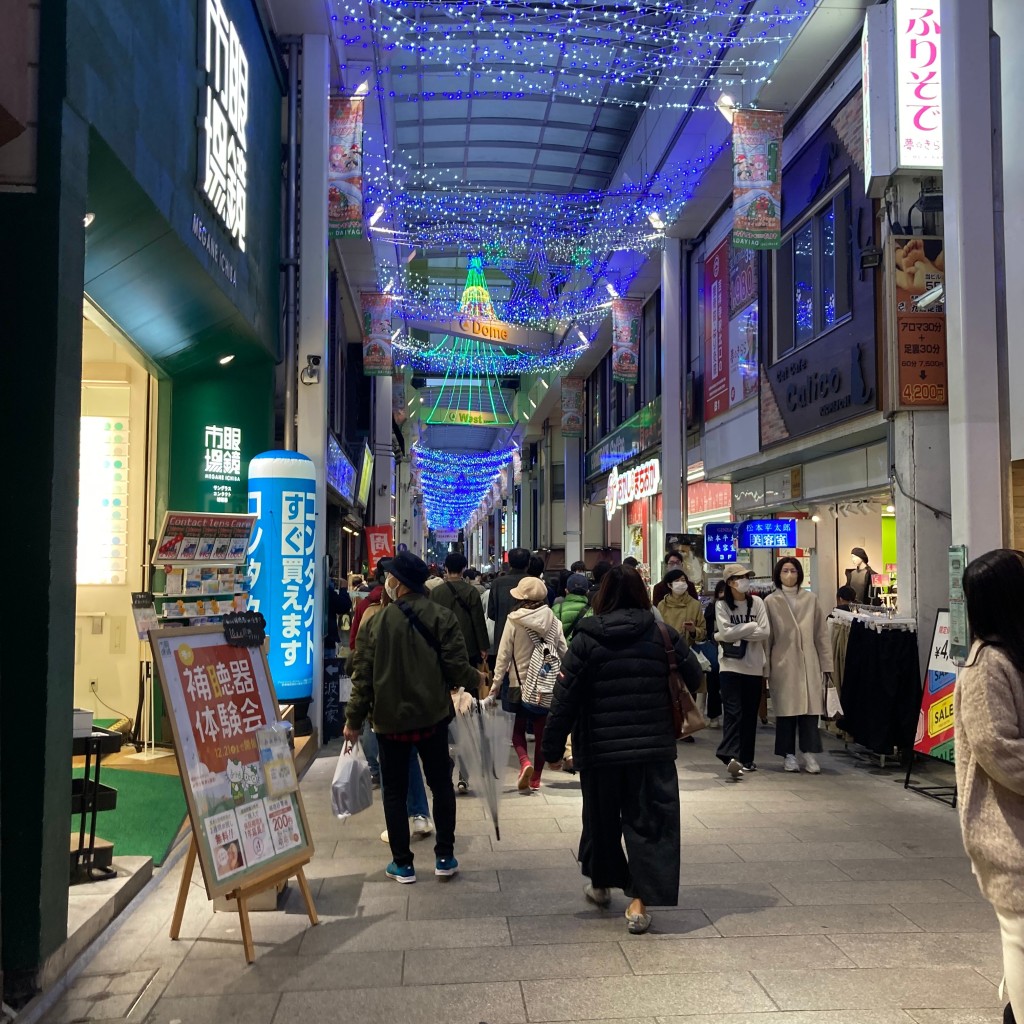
836, 899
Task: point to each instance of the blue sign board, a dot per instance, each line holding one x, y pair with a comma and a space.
282, 573
721, 542
341, 474
768, 533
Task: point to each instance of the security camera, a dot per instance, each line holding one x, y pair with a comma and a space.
310, 373
313, 360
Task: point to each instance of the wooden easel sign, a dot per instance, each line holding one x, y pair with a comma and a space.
247, 833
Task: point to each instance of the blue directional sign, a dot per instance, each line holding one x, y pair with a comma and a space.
721, 542
768, 533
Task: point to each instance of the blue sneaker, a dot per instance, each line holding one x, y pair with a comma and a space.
405, 873
445, 867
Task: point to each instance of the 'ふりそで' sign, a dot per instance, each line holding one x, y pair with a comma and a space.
631, 485
282, 571
222, 706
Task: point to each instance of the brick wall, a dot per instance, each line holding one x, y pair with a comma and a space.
849, 126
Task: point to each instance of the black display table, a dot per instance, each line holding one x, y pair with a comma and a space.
91, 862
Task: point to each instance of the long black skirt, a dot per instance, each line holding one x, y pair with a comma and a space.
638, 804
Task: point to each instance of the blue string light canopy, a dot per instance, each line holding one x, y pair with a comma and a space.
453, 484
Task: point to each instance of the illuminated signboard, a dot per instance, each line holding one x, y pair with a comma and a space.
224, 113
341, 474
366, 477
721, 542
631, 485
768, 533
103, 501
918, 84
222, 461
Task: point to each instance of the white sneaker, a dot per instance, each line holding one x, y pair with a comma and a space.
421, 826
735, 769
790, 764
384, 837
811, 765
715, 723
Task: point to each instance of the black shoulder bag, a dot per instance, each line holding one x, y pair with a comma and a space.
458, 597
414, 621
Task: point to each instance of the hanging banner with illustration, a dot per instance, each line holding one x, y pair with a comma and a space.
572, 407
345, 169
377, 354
757, 179
626, 339
917, 270
223, 710
935, 720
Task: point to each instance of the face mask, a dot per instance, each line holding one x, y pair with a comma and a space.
391, 588
743, 586
679, 587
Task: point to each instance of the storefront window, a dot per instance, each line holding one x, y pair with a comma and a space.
803, 283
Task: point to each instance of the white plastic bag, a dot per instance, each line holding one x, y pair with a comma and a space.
351, 788
833, 709
705, 665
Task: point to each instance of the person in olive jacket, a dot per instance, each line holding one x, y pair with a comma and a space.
413, 657
613, 694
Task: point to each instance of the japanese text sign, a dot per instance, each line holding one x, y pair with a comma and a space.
203, 538
716, 333
221, 700
768, 533
282, 570
918, 83
631, 485
377, 347
379, 544
721, 542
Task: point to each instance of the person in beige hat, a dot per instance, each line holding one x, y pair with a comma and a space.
531, 627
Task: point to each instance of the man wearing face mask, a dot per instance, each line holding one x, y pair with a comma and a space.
413, 657
673, 561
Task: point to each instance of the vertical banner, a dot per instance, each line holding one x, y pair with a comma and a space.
345, 173
757, 179
398, 413
917, 268
716, 333
572, 407
626, 339
379, 544
743, 323
282, 573
377, 360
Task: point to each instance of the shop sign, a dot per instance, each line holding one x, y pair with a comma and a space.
721, 542
365, 477
341, 474
345, 168
757, 179
468, 418
918, 84
379, 544
224, 114
639, 433
703, 496
768, 533
631, 485
198, 538
223, 458
716, 327
213, 248
935, 733
916, 267
744, 278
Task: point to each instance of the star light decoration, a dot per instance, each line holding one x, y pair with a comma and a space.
571, 49
453, 484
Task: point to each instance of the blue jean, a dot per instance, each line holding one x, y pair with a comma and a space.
416, 805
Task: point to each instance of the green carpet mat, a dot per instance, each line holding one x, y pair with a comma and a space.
149, 813
104, 723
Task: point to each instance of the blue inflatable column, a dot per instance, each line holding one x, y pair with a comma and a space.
282, 569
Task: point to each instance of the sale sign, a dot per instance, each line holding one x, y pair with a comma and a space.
935, 733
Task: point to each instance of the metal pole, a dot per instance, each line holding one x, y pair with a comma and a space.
290, 261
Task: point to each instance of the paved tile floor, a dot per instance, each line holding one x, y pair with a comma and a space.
839, 898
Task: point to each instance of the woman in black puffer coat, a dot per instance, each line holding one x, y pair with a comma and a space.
612, 694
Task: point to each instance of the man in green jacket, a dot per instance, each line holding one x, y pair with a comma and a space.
413, 658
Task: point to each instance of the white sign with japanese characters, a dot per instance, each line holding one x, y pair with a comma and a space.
223, 117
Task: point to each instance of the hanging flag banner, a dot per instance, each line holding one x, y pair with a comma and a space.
379, 544
398, 413
757, 179
345, 170
716, 332
572, 407
626, 339
377, 356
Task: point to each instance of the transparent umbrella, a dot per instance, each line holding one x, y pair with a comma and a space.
482, 738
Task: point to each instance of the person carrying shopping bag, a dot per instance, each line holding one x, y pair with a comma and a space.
531, 629
742, 630
800, 665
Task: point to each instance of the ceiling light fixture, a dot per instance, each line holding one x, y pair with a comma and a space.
377, 214
726, 106
363, 88
582, 337
656, 222
88, 219
224, 360
611, 290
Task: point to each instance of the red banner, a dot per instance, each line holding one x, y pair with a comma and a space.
379, 544
716, 333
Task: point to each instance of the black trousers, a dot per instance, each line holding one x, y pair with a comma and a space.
741, 697
437, 770
714, 694
638, 803
786, 730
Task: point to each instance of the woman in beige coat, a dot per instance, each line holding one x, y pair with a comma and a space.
988, 709
800, 656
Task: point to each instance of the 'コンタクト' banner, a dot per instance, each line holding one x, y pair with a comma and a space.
345, 173
757, 179
572, 407
377, 355
626, 339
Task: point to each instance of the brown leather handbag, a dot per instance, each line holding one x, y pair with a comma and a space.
686, 716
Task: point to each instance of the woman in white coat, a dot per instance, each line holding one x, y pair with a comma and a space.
800, 656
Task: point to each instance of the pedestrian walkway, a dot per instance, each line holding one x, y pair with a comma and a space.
831, 899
